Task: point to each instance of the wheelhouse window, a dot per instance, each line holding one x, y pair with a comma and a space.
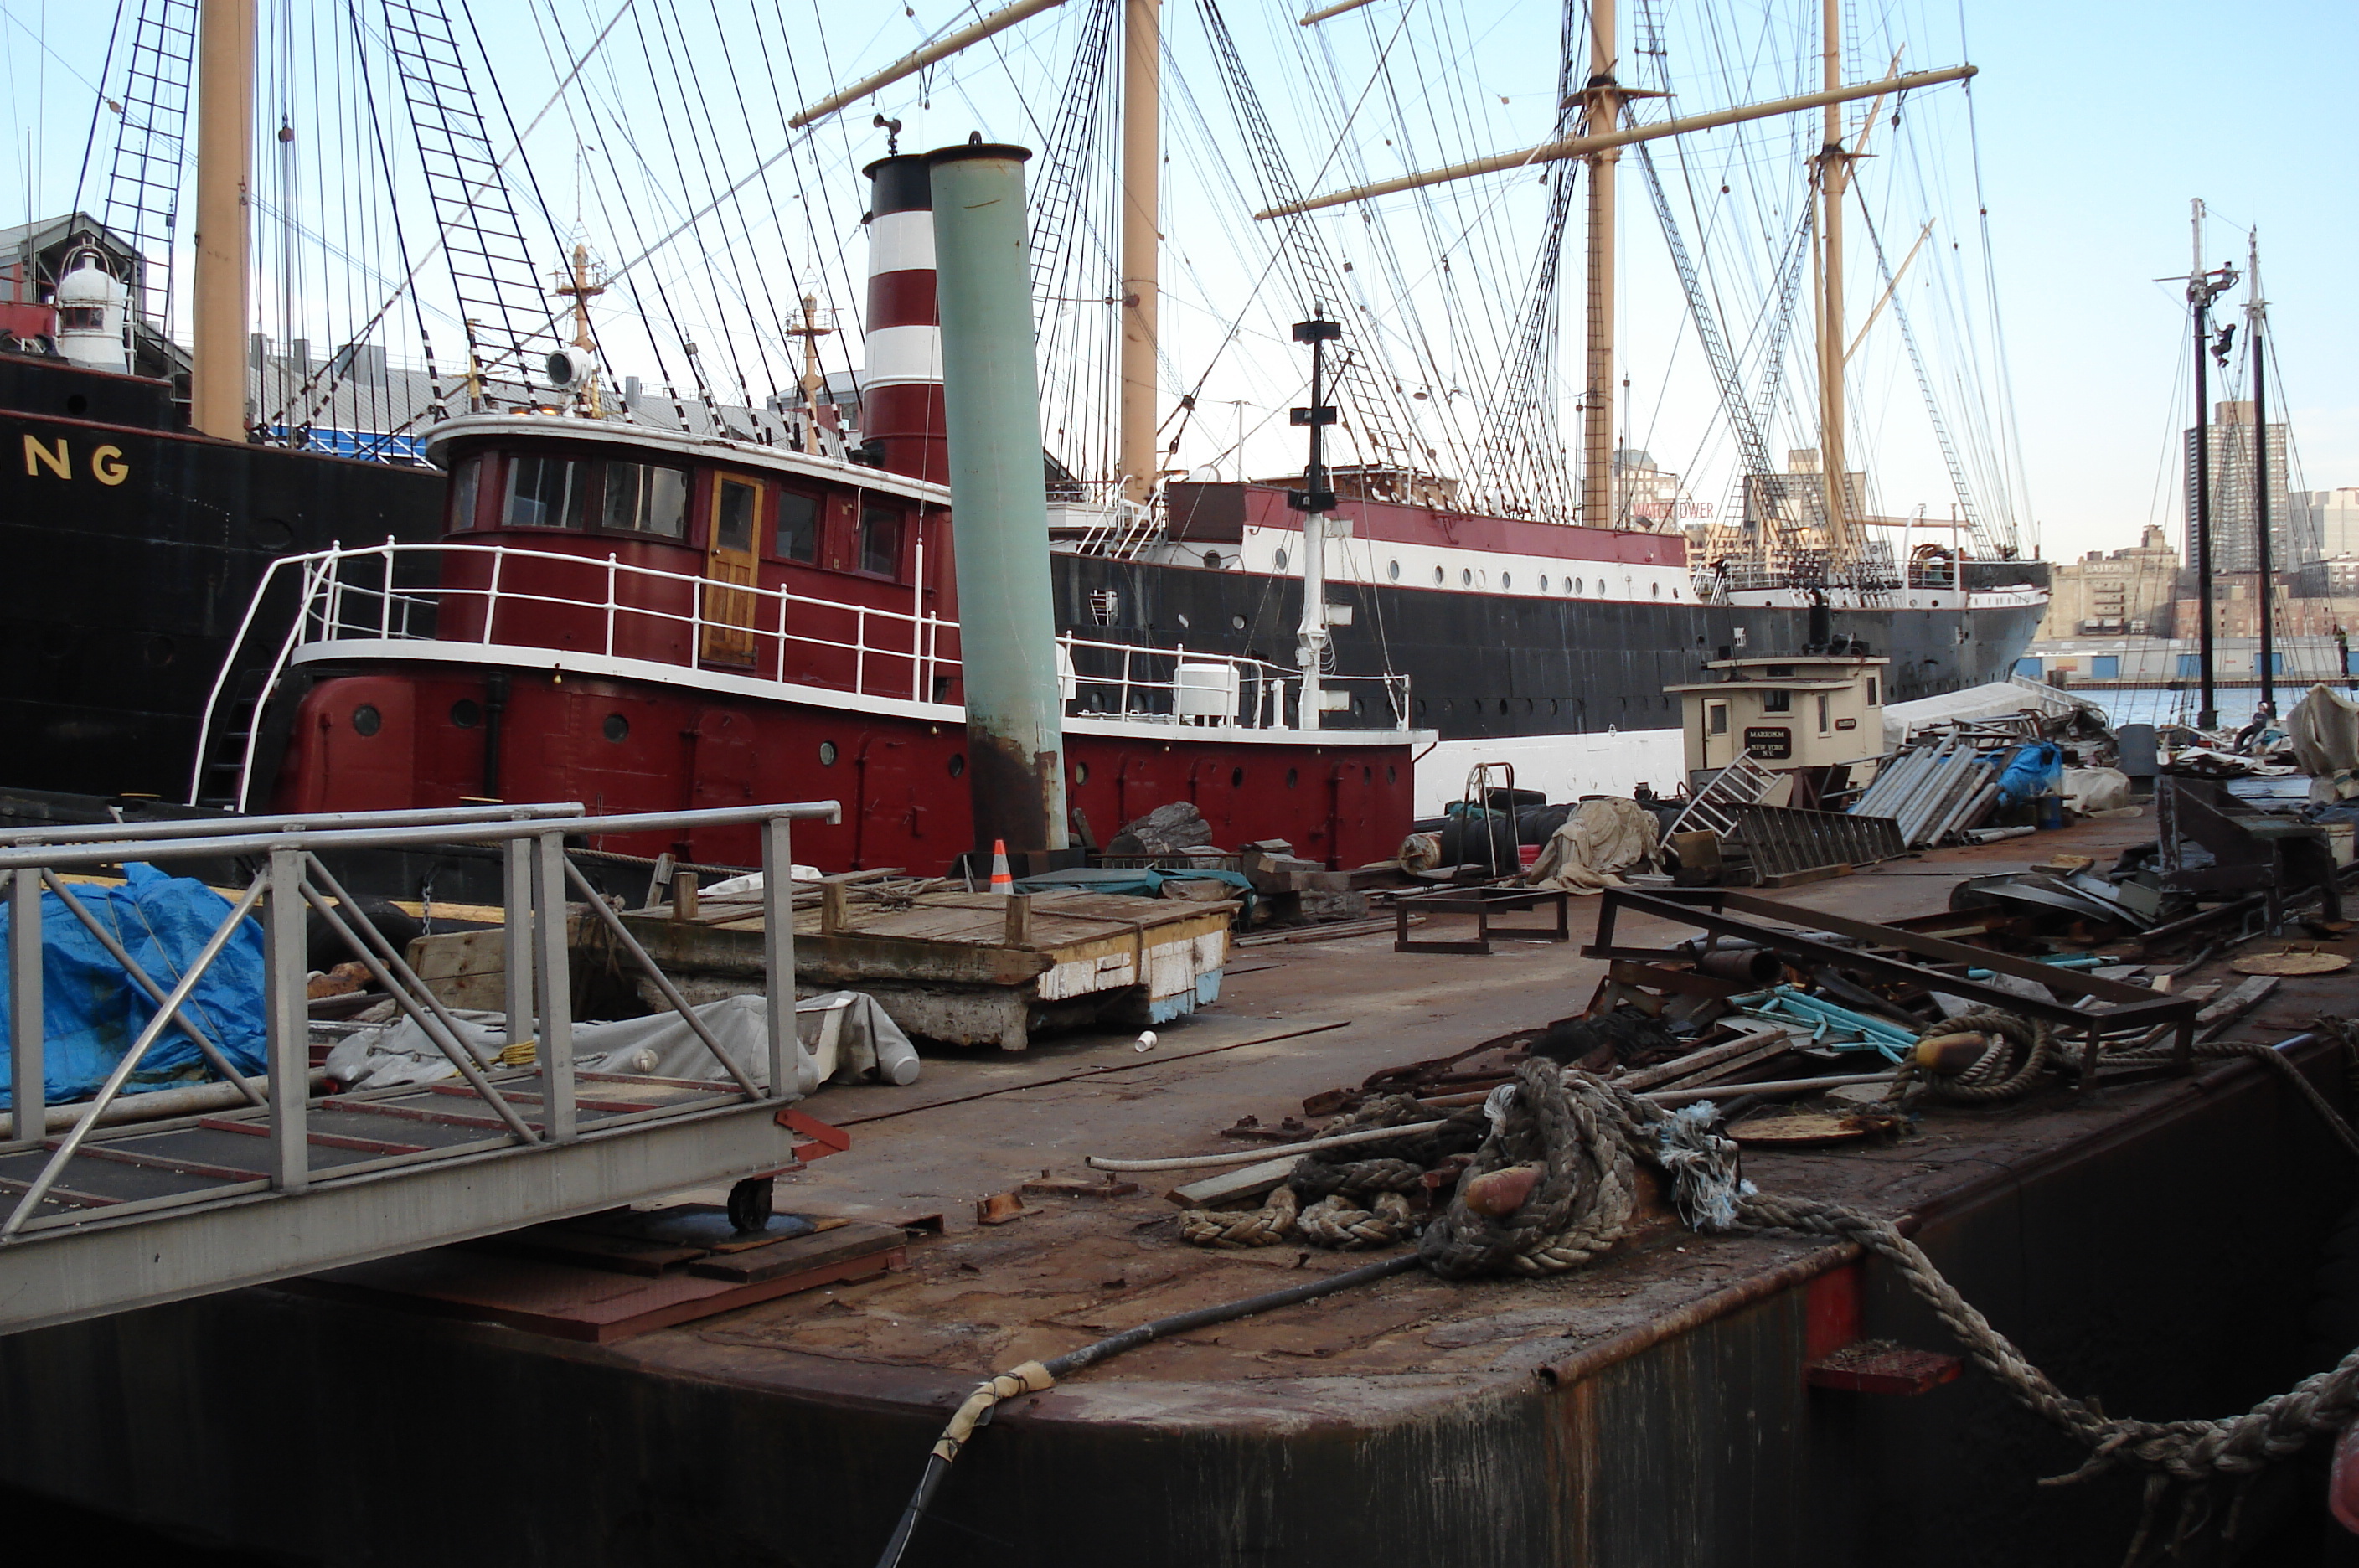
466, 485
1716, 718
82, 318
646, 498
1777, 702
880, 538
545, 493
797, 526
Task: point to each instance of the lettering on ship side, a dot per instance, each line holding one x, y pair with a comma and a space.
106, 464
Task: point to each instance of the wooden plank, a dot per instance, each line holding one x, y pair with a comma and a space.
847, 1243
2217, 1017
1697, 1060
1232, 1188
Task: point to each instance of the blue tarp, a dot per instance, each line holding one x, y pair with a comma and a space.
2034, 770
1142, 882
92, 1011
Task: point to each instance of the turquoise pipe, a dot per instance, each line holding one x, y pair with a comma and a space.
999, 502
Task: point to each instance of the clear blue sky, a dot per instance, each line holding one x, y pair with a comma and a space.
2099, 121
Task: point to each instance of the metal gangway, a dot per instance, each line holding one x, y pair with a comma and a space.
102, 1218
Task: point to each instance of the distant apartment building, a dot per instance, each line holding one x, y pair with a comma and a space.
2235, 540
2126, 593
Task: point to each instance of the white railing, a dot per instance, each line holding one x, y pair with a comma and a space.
771, 635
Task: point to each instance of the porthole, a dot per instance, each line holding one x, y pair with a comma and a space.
1507, 580
1580, 585
1543, 582
1213, 558
1237, 623
1503, 707
160, 651
827, 753
1654, 590
1281, 561
1183, 623
1291, 778
1482, 579
1393, 570
466, 713
1552, 707
367, 720
1437, 577
1391, 774
957, 763
1421, 707
1528, 704
1081, 773
616, 728
1359, 707
1466, 577
1236, 778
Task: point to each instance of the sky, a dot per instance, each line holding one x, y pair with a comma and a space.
2093, 124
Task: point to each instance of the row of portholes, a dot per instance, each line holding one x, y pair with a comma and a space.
1476, 578
466, 713
1479, 706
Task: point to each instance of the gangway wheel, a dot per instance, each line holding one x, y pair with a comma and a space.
750, 1204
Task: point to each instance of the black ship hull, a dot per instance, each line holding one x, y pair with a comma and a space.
1492, 666
134, 551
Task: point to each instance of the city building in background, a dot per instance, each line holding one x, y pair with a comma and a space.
2127, 594
2234, 544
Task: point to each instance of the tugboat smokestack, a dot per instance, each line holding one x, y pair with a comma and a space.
999, 503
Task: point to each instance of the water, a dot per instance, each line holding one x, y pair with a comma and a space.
2162, 706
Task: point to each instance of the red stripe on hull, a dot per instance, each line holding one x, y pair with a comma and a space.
905, 298
633, 747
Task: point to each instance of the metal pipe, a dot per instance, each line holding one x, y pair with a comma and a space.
129, 1062
160, 1104
918, 59
362, 928
114, 950
1135, 456
998, 499
402, 837
1583, 146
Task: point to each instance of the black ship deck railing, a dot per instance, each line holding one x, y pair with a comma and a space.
643, 620
97, 1218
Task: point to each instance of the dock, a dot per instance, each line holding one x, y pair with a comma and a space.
2150, 1243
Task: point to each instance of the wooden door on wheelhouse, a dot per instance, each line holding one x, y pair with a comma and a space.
729, 571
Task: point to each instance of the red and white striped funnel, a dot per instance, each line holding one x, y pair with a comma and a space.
901, 391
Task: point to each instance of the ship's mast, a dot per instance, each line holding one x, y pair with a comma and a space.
1602, 99
1142, 108
1833, 179
2256, 311
225, 156
577, 285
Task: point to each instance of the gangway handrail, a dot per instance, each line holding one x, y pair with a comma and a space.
208, 827
110, 854
536, 892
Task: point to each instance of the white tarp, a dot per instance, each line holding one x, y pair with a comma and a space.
2092, 789
1994, 699
1604, 836
842, 1037
2324, 731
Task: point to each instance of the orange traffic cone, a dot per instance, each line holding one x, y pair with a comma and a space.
1001, 882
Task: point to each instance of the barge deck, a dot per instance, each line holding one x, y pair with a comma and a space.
2155, 1243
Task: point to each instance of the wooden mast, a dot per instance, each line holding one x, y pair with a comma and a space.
1142, 151
1602, 99
224, 159
1833, 179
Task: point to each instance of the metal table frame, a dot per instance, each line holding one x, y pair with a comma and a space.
1479, 902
